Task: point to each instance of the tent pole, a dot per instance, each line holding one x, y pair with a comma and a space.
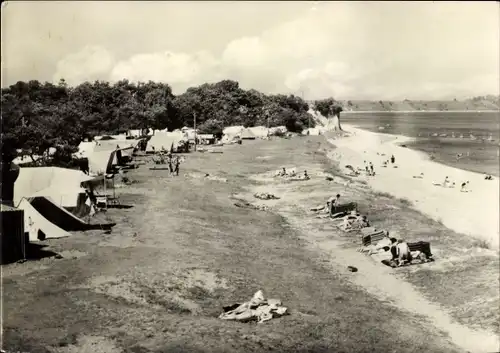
194, 131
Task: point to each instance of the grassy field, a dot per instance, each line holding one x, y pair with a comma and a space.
158, 282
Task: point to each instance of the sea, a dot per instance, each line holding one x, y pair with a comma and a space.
465, 140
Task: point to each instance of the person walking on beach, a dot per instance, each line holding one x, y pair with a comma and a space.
371, 168
393, 159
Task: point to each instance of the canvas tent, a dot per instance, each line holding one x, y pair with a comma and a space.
165, 140
61, 217
247, 134
43, 219
61, 184
38, 227
231, 133
101, 162
259, 131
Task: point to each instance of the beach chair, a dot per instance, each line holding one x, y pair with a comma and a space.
372, 238
344, 209
423, 246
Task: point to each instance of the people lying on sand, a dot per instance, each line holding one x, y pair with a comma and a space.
488, 177
363, 222
421, 176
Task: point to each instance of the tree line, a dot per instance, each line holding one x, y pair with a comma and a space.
37, 116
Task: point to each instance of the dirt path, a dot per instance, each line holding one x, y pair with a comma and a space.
378, 280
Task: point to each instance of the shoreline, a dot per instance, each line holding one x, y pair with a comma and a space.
474, 213
419, 111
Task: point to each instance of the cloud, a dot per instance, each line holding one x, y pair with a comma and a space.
346, 50
181, 70
90, 63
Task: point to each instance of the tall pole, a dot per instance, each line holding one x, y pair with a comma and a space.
194, 131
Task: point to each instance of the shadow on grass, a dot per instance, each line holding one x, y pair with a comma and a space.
121, 207
33, 252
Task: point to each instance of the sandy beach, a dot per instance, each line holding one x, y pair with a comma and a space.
474, 213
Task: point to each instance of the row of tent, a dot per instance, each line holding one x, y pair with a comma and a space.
50, 202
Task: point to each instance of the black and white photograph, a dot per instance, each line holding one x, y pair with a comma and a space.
250, 176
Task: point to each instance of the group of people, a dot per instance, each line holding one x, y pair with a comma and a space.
448, 184
354, 221
173, 162
292, 174
370, 171
400, 252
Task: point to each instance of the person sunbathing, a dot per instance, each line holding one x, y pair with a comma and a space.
363, 222
421, 176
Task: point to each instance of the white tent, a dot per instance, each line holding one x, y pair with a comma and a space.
60, 184
231, 133
247, 134
165, 140
259, 131
100, 162
34, 221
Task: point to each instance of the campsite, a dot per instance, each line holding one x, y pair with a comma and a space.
248, 177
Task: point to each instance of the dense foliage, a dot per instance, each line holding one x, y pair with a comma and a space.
37, 116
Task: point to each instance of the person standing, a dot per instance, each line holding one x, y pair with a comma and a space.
170, 167
177, 165
333, 204
393, 159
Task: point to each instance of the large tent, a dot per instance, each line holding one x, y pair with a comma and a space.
232, 133
101, 162
61, 184
247, 134
38, 227
166, 141
259, 131
42, 214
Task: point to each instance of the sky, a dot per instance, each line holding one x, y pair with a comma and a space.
345, 50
